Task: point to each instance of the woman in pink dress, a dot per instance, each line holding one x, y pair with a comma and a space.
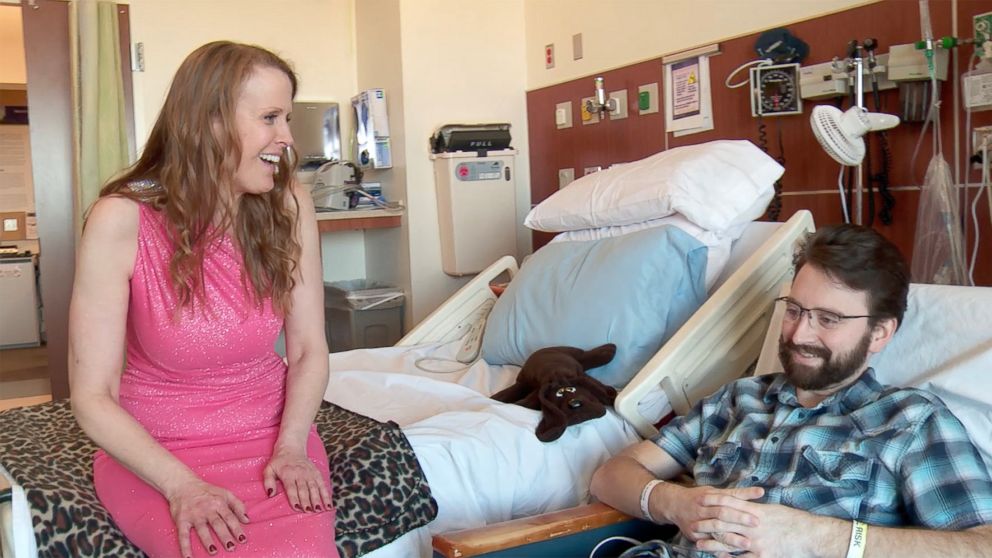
191, 263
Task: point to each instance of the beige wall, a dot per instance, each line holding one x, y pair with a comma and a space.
380, 65
314, 35
440, 61
617, 33
463, 62
12, 46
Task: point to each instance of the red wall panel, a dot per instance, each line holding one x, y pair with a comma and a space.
808, 168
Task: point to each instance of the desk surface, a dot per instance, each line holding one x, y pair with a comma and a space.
332, 221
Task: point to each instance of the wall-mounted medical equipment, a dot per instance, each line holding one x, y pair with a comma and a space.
780, 46
977, 82
823, 81
471, 137
600, 103
476, 196
877, 170
333, 183
316, 133
373, 146
775, 90
841, 134
833, 79
906, 63
877, 75
773, 81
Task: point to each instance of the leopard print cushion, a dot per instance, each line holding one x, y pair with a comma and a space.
379, 489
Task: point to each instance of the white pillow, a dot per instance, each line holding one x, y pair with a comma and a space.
716, 185
718, 244
945, 346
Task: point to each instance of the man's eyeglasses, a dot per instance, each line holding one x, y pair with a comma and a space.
823, 319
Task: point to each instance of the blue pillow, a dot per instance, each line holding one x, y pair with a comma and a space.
634, 290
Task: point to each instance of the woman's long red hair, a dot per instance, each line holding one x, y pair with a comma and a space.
193, 153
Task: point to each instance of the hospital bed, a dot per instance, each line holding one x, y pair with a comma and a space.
481, 457
942, 346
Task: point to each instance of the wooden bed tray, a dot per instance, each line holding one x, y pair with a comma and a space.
528, 530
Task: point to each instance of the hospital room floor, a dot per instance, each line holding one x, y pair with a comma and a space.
24, 377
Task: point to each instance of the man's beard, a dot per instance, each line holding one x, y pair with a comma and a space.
831, 372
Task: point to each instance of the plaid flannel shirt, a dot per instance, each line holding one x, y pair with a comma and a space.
882, 455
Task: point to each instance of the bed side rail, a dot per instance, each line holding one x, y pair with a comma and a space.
723, 338
16, 533
450, 320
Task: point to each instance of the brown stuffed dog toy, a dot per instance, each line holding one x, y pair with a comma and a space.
554, 381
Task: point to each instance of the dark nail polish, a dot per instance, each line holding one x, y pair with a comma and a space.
230, 545
270, 492
309, 509
246, 517
318, 508
297, 507
242, 538
212, 549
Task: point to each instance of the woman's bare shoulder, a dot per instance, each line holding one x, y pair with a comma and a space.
113, 218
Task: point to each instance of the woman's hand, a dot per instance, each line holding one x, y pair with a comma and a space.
305, 485
207, 508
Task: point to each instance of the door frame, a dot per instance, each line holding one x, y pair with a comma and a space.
49, 76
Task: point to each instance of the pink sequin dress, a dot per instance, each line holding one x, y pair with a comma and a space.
210, 388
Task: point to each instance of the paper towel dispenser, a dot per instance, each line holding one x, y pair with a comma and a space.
316, 133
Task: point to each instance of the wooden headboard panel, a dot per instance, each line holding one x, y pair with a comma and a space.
808, 169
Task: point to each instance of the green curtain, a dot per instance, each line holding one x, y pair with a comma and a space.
103, 145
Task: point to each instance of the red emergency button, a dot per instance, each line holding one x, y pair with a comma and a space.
462, 171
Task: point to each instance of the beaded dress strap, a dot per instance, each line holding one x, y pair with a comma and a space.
143, 185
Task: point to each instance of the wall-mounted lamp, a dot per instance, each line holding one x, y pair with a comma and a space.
600, 103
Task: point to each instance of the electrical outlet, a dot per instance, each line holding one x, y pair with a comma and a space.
981, 135
590, 170
563, 115
565, 177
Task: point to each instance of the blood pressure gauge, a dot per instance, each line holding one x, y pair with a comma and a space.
775, 90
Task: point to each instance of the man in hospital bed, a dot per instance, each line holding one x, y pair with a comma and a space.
802, 463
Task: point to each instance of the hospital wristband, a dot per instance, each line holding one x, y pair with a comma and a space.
646, 498
859, 539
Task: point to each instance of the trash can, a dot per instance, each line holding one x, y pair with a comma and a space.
361, 313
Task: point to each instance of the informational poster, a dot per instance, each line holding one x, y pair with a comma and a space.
685, 89
688, 103
16, 183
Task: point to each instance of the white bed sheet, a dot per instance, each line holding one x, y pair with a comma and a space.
481, 457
